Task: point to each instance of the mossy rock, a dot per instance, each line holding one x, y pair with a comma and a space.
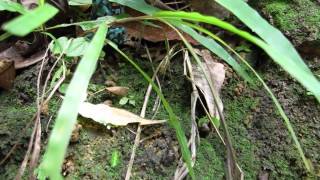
298, 19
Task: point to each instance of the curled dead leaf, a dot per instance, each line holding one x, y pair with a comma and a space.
105, 115
118, 90
13, 54
216, 74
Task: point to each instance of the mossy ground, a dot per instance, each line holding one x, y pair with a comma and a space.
259, 136
299, 19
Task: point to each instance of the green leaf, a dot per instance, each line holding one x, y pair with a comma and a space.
63, 88
58, 45
88, 25
115, 158
123, 101
75, 48
6, 5
68, 112
29, 21
57, 76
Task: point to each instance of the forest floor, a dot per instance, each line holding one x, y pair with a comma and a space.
263, 146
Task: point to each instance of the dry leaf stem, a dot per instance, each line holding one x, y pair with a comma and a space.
142, 115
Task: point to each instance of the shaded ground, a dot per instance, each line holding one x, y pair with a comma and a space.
260, 138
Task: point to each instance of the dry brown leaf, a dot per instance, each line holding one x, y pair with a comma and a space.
13, 54
154, 34
216, 74
7, 73
105, 114
118, 90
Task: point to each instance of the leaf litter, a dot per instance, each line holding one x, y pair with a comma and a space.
105, 115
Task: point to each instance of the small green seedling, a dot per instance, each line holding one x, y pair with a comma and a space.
115, 158
127, 100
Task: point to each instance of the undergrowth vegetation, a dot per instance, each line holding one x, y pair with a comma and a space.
186, 24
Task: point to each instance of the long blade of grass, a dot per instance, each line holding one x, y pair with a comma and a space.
173, 121
269, 91
266, 31
214, 47
209, 43
303, 75
29, 21
231, 158
67, 115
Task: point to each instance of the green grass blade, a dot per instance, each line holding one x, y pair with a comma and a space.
67, 115
272, 96
303, 75
29, 21
214, 47
266, 31
4, 36
7, 5
209, 43
173, 121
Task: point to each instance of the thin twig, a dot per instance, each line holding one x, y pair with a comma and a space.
34, 132
182, 169
139, 129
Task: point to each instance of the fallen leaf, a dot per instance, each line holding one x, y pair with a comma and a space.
105, 114
154, 33
13, 54
118, 90
7, 73
216, 74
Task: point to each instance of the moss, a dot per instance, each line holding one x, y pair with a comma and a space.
210, 161
237, 112
17, 110
91, 155
300, 19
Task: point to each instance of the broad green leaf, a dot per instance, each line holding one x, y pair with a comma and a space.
76, 47
67, 115
58, 45
7, 5
29, 21
295, 69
